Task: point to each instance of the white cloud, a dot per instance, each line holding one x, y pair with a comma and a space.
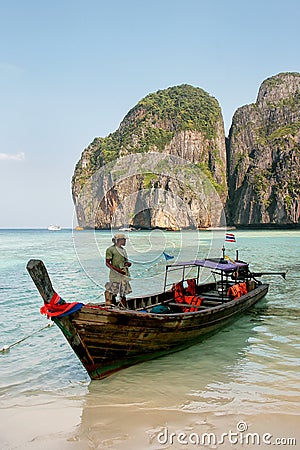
12, 157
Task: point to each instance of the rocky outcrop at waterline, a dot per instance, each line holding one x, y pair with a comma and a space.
165, 166
168, 166
264, 156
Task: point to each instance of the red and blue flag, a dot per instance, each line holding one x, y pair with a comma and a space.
230, 237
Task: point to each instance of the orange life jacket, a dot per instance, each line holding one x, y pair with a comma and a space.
179, 297
191, 288
243, 288
192, 300
237, 290
178, 292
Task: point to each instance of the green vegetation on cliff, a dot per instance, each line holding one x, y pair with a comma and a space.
263, 152
153, 122
277, 80
281, 133
182, 108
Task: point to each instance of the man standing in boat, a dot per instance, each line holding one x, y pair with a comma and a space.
117, 262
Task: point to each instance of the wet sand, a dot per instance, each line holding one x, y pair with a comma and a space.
77, 424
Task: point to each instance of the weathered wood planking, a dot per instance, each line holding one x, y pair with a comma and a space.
107, 339
40, 277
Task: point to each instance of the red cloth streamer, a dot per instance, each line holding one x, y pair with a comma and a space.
56, 307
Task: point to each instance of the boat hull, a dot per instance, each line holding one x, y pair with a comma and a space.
107, 340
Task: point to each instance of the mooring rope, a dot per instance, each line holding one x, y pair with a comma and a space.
6, 348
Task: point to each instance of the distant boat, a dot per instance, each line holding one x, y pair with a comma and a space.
54, 228
127, 229
79, 228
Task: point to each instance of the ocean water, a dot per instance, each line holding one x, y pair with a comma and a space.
241, 383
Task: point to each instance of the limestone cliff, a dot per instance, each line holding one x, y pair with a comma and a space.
263, 155
164, 167
166, 164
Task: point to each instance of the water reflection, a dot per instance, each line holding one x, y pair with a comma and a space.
187, 389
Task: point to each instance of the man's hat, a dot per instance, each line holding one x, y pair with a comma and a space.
118, 236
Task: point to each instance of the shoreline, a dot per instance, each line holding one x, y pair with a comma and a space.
295, 227
83, 423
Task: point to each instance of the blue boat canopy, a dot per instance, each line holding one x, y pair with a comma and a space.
213, 263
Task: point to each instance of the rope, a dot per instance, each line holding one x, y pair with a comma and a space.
6, 348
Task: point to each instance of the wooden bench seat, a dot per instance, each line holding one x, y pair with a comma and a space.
186, 305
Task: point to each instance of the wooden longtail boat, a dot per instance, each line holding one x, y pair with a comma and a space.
108, 339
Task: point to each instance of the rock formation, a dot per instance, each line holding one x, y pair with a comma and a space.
167, 163
263, 154
164, 167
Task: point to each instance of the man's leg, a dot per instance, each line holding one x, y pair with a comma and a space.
123, 302
110, 299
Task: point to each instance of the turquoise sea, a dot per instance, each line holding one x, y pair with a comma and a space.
237, 389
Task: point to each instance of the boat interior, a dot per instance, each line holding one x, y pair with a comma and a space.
198, 297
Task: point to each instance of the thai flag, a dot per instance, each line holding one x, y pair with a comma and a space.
230, 237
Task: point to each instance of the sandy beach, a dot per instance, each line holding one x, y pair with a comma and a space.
68, 425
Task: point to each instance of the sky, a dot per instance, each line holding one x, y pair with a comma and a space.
70, 71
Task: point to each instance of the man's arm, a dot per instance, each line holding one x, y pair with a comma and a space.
109, 264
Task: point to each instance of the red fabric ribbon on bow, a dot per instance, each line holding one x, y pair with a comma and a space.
57, 306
